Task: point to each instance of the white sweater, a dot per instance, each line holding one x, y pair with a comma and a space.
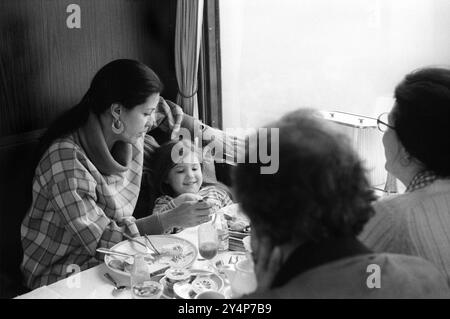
416, 223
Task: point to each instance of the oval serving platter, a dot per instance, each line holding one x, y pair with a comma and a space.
175, 252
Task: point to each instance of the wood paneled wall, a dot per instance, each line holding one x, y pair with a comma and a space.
45, 68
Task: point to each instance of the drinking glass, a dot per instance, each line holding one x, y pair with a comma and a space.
142, 287
208, 242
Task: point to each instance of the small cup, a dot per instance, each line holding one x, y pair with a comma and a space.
210, 294
173, 276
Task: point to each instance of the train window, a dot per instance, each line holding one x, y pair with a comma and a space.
332, 55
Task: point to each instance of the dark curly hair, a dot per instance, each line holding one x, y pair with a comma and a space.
320, 190
421, 117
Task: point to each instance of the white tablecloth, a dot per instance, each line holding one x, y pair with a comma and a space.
91, 284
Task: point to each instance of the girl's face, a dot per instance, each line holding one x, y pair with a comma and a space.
138, 120
186, 176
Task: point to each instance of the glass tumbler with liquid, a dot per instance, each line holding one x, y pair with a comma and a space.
208, 242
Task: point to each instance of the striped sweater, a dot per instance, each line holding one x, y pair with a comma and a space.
415, 223
217, 198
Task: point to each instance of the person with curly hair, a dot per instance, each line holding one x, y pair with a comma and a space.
306, 216
417, 148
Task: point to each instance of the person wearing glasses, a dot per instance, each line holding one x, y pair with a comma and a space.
306, 217
417, 147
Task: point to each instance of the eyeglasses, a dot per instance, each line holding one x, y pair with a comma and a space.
382, 122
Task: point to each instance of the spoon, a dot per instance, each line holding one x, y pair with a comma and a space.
117, 288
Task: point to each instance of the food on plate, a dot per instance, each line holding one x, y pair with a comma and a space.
238, 225
203, 283
175, 254
236, 220
172, 276
168, 251
121, 265
172, 250
149, 289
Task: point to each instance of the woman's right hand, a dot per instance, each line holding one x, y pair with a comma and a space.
188, 214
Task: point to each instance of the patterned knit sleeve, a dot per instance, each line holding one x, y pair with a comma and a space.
164, 204
225, 198
379, 234
76, 201
217, 196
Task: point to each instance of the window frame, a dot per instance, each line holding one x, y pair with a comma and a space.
209, 70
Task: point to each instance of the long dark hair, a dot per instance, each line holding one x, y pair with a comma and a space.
123, 81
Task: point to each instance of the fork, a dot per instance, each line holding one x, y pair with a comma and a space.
150, 242
135, 240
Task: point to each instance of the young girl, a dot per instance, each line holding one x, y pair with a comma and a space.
178, 178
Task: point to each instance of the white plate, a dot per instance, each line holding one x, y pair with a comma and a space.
185, 290
161, 242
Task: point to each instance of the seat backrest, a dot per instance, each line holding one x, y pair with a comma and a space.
15, 197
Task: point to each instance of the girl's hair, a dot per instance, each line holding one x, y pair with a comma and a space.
123, 81
162, 162
422, 117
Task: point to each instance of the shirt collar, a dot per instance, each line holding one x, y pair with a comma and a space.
312, 254
421, 180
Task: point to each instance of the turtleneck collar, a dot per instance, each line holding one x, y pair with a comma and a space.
94, 144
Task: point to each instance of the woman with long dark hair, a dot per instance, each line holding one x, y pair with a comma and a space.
88, 175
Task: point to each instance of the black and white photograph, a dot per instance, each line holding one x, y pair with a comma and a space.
241, 150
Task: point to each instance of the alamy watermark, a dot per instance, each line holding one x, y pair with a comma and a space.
234, 146
374, 279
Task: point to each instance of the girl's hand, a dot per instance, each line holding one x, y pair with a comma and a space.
268, 261
188, 214
185, 198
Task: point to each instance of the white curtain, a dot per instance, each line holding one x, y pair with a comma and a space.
188, 34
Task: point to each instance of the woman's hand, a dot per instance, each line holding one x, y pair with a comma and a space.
185, 198
268, 260
172, 112
188, 214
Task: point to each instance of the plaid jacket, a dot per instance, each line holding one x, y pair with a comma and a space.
76, 209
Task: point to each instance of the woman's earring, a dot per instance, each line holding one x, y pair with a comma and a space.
117, 126
405, 160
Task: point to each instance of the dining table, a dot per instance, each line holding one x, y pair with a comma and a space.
92, 283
